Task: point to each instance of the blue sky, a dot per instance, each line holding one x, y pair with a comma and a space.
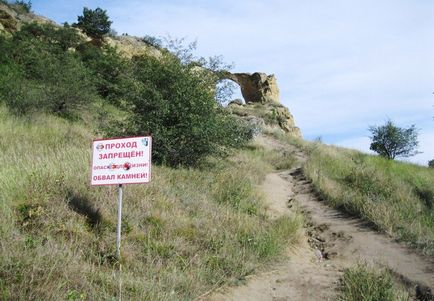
341, 65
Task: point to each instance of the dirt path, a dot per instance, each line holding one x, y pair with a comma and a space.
334, 242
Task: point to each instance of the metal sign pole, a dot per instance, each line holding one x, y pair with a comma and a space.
118, 236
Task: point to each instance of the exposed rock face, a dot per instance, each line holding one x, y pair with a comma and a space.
11, 20
8, 23
286, 121
130, 46
256, 87
270, 115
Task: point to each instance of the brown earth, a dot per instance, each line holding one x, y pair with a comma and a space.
333, 242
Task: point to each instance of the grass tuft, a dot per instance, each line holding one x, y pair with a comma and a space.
365, 283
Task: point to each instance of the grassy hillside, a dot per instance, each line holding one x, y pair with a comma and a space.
184, 233
396, 197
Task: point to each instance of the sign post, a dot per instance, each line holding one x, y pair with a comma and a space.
121, 161
118, 232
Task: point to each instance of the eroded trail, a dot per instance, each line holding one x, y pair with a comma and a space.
333, 242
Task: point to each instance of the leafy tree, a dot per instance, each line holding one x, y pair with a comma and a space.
431, 163
95, 23
391, 141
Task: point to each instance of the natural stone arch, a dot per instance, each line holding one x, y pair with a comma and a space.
257, 87
260, 88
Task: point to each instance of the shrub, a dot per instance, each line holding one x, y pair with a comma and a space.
95, 23
153, 41
431, 163
40, 75
176, 105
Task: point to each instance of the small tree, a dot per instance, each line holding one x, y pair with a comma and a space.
431, 163
390, 141
95, 23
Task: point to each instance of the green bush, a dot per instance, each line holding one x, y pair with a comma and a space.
110, 70
39, 74
153, 41
57, 39
174, 102
172, 96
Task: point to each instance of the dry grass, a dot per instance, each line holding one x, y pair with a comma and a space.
186, 232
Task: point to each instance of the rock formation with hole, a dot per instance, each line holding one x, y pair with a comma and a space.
263, 106
256, 87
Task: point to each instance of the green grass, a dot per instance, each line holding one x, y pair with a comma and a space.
394, 196
185, 233
365, 283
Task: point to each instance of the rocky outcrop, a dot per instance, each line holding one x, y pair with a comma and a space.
129, 46
8, 23
269, 115
11, 19
262, 107
256, 87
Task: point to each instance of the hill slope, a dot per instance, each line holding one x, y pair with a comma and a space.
187, 231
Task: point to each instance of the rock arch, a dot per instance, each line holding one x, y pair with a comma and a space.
257, 87
260, 88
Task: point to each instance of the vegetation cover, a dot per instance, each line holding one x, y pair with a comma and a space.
396, 197
49, 69
187, 232
199, 224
